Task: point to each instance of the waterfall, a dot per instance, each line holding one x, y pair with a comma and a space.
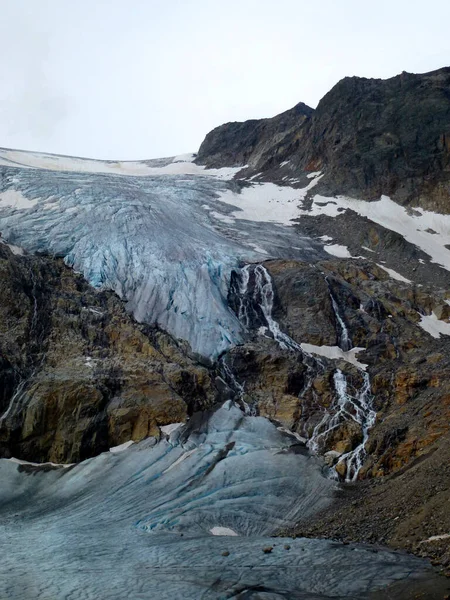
256, 296
344, 340
238, 388
15, 401
365, 415
15, 404
345, 407
255, 301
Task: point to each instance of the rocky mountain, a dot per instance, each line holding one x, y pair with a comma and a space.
261, 330
371, 137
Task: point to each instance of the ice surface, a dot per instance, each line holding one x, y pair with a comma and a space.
149, 238
126, 526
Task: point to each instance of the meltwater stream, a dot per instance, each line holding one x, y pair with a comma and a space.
139, 524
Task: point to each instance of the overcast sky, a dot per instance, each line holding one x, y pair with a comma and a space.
147, 78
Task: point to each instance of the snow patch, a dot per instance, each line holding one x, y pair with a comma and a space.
223, 531
121, 447
336, 353
35, 464
16, 250
14, 199
168, 429
434, 326
414, 227
436, 538
267, 202
338, 250
394, 274
178, 165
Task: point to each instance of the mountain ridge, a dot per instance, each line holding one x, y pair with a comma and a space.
370, 137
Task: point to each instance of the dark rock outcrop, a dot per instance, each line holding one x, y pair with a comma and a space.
258, 143
407, 366
392, 137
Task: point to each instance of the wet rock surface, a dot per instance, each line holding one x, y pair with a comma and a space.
406, 443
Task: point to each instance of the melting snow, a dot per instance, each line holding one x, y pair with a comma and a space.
267, 202
415, 227
435, 538
16, 250
336, 353
35, 464
178, 165
168, 429
394, 274
121, 447
16, 200
434, 326
338, 250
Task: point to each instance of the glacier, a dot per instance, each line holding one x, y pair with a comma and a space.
162, 234
140, 523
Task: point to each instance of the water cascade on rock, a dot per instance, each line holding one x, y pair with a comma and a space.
355, 407
254, 293
237, 388
256, 297
344, 340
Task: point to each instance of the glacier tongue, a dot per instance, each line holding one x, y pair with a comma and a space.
140, 523
163, 240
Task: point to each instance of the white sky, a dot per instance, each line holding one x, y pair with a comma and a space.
136, 79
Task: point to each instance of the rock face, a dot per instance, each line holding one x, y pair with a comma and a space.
406, 365
370, 137
257, 143
78, 375
389, 137
404, 456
